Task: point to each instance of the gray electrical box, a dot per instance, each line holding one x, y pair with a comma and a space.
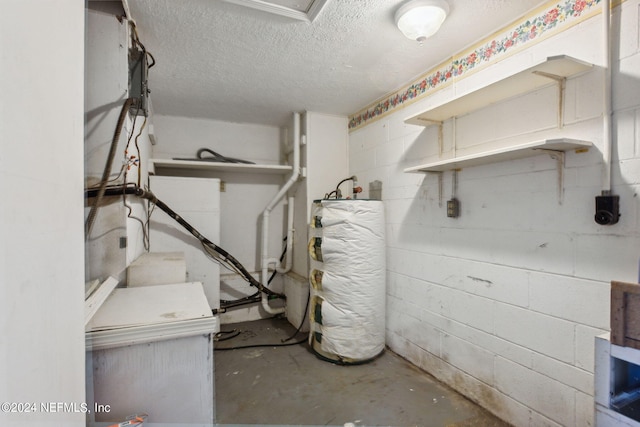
453, 208
375, 190
138, 78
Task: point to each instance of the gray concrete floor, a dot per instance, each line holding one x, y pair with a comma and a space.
290, 386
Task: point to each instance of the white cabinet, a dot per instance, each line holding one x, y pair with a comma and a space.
149, 350
197, 201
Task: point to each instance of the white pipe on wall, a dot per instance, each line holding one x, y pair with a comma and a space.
607, 107
127, 11
283, 269
264, 277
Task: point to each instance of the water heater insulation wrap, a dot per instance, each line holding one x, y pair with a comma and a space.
347, 278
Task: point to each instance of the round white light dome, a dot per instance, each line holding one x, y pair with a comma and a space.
420, 19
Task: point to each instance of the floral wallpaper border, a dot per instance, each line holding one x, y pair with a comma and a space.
554, 16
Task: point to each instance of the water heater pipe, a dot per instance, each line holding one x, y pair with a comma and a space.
607, 107
288, 262
264, 277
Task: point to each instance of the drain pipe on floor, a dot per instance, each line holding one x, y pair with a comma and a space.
265, 217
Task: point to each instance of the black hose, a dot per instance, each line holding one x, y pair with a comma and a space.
226, 255
337, 190
281, 344
93, 213
148, 195
215, 157
240, 302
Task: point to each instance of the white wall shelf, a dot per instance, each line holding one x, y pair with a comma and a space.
155, 164
509, 153
554, 68
555, 148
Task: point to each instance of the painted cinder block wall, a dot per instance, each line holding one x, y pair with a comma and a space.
504, 302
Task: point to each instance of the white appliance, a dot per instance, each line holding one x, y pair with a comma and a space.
197, 201
616, 384
150, 350
347, 277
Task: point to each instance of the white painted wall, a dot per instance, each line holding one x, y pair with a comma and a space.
107, 86
246, 195
325, 156
41, 234
244, 198
503, 303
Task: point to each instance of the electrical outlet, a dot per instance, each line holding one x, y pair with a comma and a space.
453, 208
607, 209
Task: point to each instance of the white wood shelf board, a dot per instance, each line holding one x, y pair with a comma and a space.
517, 84
502, 154
151, 305
142, 334
155, 164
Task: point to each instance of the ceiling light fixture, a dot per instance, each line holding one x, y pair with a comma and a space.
420, 19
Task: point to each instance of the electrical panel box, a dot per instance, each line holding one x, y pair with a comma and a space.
607, 209
138, 81
453, 208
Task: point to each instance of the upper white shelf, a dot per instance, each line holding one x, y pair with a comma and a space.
509, 153
541, 74
218, 166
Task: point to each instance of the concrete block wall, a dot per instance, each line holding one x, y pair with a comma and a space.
504, 302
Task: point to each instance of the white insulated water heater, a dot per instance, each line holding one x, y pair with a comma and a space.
347, 275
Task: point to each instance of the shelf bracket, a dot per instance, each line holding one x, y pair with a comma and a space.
561, 81
558, 156
440, 139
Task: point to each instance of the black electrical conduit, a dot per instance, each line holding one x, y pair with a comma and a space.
88, 225
148, 195
249, 299
237, 303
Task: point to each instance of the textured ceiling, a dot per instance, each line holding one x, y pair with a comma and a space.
228, 62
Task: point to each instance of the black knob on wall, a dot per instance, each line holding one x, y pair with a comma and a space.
607, 210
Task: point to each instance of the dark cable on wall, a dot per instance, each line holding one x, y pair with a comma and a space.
306, 310
214, 157
212, 248
235, 333
255, 298
88, 225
